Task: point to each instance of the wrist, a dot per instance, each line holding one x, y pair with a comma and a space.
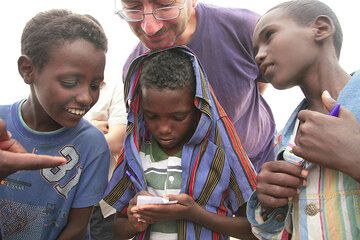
194, 213
266, 212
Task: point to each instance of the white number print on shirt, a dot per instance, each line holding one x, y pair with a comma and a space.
54, 175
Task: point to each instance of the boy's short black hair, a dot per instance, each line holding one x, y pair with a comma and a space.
55, 27
170, 69
305, 12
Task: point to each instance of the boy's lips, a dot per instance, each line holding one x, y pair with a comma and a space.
165, 140
265, 68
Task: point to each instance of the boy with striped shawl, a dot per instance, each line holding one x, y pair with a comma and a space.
181, 144
317, 198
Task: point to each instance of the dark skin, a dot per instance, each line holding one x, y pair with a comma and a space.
139, 218
14, 157
78, 218
324, 139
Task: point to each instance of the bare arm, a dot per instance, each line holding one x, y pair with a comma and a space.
77, 224
238, 227
115, 138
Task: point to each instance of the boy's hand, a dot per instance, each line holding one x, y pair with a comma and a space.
102, 125
138, 224
277, 182
330, 141
13, 156
183, 209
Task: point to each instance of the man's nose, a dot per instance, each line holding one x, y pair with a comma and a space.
150, 25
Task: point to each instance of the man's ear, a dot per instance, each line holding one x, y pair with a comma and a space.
26, 69
323, 27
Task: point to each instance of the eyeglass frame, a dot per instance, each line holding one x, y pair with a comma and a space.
121, 14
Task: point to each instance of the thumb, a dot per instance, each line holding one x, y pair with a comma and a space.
328, 101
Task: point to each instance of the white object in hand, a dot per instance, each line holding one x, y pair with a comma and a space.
145, 200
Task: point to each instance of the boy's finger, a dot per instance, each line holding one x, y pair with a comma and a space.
4, 135
28, 161
328, 101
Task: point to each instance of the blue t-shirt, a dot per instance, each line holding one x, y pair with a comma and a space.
35, 204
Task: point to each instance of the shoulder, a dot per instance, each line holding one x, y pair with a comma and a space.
4, 110
10, 113
89, 133
230, 16
138, 50
349, 96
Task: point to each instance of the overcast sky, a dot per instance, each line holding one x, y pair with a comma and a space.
15, 13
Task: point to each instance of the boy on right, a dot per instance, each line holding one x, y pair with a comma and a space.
298, 43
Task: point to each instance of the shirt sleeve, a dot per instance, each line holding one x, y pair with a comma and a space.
276, 226
94, 176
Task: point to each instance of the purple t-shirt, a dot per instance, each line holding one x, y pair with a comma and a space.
222, 42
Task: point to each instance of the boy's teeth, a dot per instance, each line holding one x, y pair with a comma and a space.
76, 111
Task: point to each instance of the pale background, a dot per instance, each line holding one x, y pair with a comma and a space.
15, 13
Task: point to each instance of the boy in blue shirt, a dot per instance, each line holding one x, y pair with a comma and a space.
63, 60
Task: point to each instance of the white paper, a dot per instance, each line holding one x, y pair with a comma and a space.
144, 200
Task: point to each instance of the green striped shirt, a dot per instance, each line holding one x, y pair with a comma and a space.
163, 176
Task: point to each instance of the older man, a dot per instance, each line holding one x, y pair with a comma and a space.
221, 38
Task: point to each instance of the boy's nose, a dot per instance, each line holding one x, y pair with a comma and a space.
164, 128
260, 56
84, 98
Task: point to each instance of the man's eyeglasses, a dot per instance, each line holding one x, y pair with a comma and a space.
164, 13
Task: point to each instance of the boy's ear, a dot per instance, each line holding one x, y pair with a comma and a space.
26, 68
323, 27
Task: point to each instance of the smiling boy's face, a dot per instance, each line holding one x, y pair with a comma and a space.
66, 87
170, 116
284, 49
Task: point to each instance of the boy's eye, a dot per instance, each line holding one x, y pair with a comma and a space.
149, 116
180, 117
268, 35
69, 83
95, 86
